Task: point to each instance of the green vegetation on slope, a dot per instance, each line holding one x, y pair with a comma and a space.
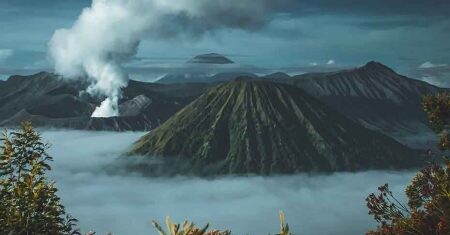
263, 127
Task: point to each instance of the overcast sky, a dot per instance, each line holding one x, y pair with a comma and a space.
404, 35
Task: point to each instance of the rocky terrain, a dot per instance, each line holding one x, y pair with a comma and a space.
47, 100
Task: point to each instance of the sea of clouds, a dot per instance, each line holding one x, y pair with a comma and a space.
126, 203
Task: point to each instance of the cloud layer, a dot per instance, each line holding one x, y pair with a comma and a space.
314, 204
437, 74
5, 53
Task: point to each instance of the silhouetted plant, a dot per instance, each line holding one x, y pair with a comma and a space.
428, 208
284, 227
187, 228
28, 201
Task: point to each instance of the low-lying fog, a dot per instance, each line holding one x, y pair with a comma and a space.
124, 205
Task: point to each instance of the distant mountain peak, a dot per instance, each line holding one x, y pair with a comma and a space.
41, 76
210, 58
278, 75
374, 65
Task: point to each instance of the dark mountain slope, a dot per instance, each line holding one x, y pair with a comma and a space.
136, 88
47, 100
42, 89
263, 128
373, 95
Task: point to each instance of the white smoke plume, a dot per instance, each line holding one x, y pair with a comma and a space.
109, 32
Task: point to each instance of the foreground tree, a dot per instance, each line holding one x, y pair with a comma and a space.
28, 201
428, 209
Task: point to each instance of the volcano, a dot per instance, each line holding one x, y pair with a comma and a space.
373, 95
48, 100
261, 127
211, 58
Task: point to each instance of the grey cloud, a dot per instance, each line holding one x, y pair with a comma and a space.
315, 68
3, 77
366, 7
5, 53
291, 7
436, 74
395, 22
384, 14
214, 15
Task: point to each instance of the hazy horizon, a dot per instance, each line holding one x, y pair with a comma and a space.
411, 38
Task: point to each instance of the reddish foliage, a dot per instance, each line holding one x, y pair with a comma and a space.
428, 209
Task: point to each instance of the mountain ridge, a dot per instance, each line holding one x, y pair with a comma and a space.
210, 58
48, 100
374, 95
248, 126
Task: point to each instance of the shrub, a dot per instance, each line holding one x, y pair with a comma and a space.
28, 201
428, 208
188, 228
